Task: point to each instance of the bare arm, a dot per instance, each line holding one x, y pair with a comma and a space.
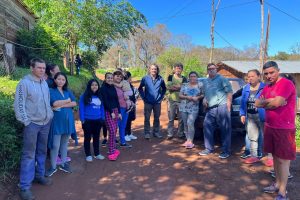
61, 103
229, 101
271, 103
70, 105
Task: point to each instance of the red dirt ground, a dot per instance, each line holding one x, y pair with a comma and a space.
160, 169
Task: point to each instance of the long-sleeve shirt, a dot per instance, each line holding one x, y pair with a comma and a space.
93, 110
152, 91
109, 97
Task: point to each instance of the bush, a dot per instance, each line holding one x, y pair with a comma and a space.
137, 72
39, 37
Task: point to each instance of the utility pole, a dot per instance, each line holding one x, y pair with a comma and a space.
261, 51
119, 52
267, 38
212, 28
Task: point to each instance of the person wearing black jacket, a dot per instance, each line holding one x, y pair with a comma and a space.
112, 113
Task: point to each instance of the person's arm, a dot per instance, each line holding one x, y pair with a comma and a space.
141, 88
229, 101
228, 89
81, 109
270, 103
19, 104
72, 102
61, 103
164, 88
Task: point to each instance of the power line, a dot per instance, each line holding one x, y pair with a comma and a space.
205, 11
34, 48
184, 7
284, 12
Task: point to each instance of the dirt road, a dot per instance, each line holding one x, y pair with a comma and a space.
160, 169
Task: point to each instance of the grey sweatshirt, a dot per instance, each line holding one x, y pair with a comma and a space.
32, 101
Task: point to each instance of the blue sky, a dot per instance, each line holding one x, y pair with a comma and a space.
238, 21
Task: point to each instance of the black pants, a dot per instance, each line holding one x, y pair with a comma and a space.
104, 129
91, 128
128, 127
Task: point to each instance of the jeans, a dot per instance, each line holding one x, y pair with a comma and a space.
173, 106
122, 125
189, 124
33, 153
147, 113
60, 143
255, 133
217, 117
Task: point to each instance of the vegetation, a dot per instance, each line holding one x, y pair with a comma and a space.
298, 131
11, 129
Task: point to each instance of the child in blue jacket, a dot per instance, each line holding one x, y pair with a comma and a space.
91, 112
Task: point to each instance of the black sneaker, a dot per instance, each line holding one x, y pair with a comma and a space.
224, 155
157, 135
66, 168
26, 195
125, 145
50, 172
43, 181
103, 144
245, 155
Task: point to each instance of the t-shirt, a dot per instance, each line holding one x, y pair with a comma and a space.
216, 90
174, 95
251, 102
284, 116
192, 91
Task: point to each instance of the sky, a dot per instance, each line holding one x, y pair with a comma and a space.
237, 23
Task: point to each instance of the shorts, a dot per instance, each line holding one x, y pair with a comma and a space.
280, 142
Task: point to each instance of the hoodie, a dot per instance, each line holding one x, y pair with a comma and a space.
32, 101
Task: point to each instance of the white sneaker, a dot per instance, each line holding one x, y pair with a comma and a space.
99, 157
127, 138
89, 159
132, 137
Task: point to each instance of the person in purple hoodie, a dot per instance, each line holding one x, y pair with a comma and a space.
91, 111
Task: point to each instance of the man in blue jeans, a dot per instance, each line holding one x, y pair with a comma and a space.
152, 90
218, 98
32, 108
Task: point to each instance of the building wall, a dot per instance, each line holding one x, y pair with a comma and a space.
229, 72
14, 16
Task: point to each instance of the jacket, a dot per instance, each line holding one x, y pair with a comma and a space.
32, 101
152, 91
245, 96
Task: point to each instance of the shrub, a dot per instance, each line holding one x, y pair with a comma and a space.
298, 131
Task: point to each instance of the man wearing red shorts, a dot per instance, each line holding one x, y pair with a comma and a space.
279, 100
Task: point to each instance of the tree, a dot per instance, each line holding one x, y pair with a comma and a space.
93, 23
212, 27
281, 55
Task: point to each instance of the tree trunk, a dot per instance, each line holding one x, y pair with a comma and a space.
212, 28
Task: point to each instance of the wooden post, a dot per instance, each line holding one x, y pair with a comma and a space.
261, 52
267, 38
212, 28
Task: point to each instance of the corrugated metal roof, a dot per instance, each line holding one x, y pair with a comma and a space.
291, 67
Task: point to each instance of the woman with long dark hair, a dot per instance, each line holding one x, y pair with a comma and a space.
91, 112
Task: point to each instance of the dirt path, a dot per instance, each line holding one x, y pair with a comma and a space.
160, 169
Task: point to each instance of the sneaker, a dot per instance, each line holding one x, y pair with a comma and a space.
224, 155
50, 172
274, 175
99, 157
125, 145
43, 181
117, 152
68, 159
147, 136
58, 160
245, 155
269, 162
89, 159
169, 136
112, 157
103, 144
271, 189
260, 155
66, 168
127, 138
190, 146
281, 197
251, 160
133, 137
26, 195
184, 144
157, 135
205, 152
117, 141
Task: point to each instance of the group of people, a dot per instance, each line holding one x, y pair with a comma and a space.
267, 110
